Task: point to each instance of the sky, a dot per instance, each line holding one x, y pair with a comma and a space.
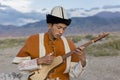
37, 5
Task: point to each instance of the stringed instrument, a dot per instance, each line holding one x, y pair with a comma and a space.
41, 74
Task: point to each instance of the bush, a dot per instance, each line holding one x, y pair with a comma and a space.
110, 48
8, 43
89, 37
75, 39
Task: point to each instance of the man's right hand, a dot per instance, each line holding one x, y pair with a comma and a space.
46, 60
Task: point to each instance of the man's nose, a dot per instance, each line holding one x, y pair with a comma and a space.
61, 31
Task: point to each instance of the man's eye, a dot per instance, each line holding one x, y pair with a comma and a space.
64, 28
58, 27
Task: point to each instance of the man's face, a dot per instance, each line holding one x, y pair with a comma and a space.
57, 30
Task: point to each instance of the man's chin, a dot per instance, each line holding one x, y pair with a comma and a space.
58, 37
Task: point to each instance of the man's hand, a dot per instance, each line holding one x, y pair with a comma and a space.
80, 52
48, 59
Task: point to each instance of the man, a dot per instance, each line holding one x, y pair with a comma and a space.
42, 49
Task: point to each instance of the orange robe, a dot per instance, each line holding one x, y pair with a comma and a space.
31, 48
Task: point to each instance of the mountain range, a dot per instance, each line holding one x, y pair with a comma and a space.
15, 23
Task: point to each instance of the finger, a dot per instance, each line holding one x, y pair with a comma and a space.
50, 54
50, 57
81, 47
78, 50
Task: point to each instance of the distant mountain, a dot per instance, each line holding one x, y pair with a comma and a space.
95, 24
92, 24
34, 22
108, 14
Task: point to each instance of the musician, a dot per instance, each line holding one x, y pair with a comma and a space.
41, 49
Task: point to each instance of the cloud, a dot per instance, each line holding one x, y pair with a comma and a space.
111, 6
92, 9
28, 20
20, 5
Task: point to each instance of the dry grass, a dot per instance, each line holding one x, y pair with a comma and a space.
11, 42
109, 46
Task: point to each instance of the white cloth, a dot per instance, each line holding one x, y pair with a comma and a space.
28, 65
42, 50
76, 69
67, 49
20, 59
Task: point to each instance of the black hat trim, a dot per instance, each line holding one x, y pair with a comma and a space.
54, 19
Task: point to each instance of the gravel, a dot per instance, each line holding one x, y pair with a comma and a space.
98, 68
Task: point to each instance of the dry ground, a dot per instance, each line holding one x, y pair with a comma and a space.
98, 68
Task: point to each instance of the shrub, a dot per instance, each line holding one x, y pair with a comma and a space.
8, 43
110, 48
75, 39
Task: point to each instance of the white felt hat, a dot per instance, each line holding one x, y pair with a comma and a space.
58, 15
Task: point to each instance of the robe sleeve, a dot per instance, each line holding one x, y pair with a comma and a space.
76, 66
23, 53
28, 65
75, 57
76, 69
23, 58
